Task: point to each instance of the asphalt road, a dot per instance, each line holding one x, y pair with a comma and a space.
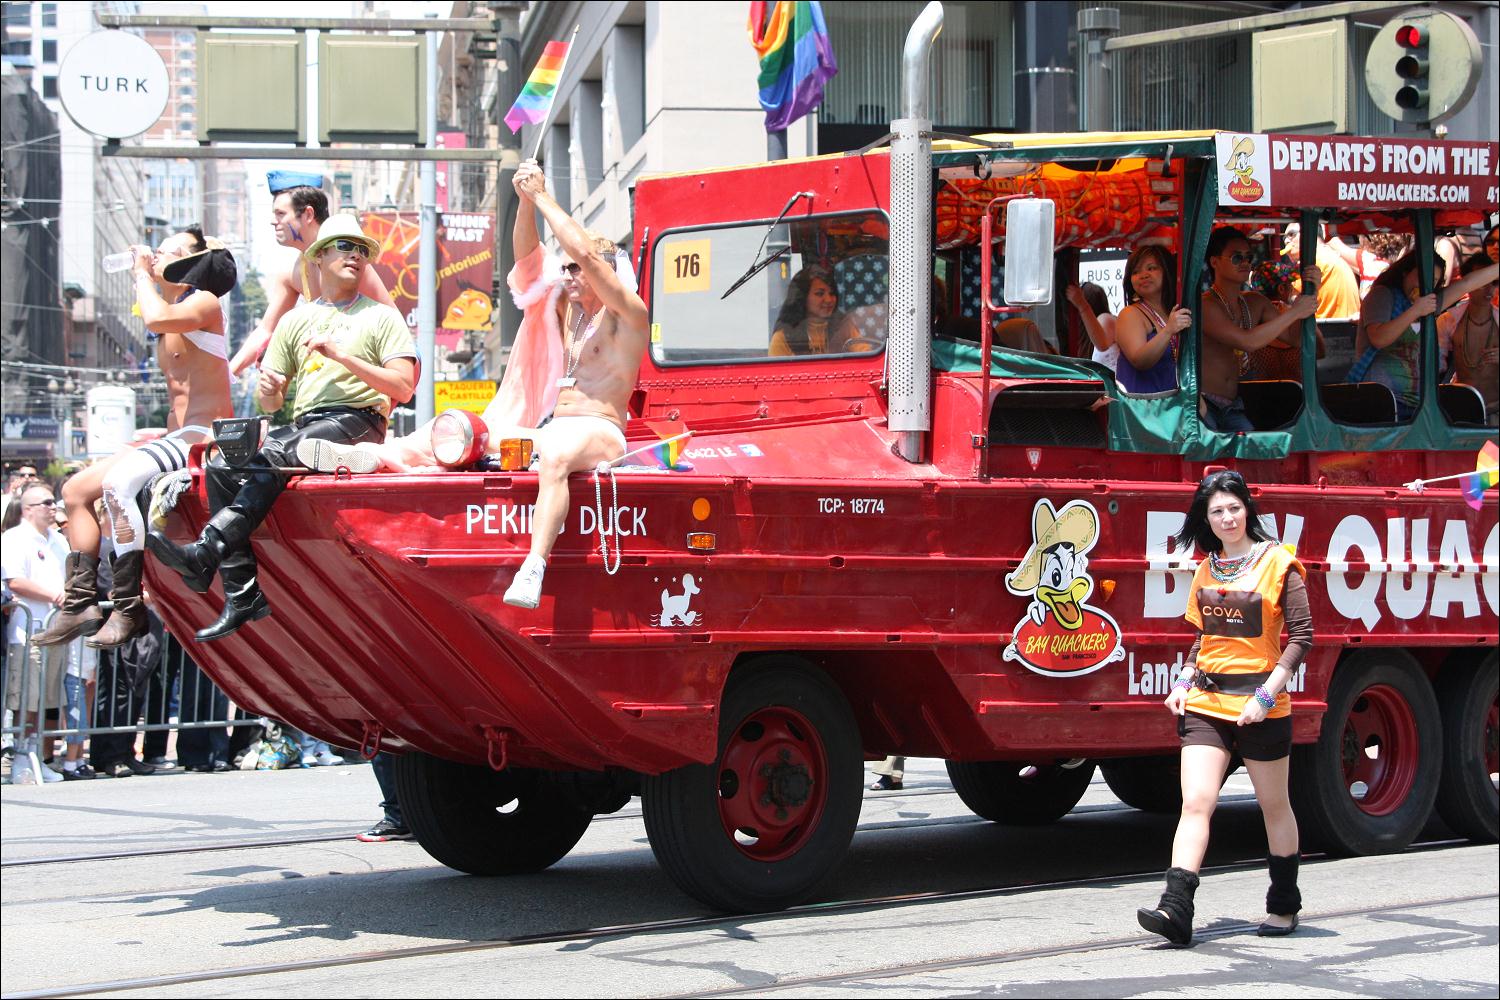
1035, 912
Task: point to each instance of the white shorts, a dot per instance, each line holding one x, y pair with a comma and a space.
570, 427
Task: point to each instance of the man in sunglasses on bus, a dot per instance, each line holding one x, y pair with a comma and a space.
353, 359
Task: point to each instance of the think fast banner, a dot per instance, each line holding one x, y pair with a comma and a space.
1355, 172
466, 268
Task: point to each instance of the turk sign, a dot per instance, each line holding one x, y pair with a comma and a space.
113, 84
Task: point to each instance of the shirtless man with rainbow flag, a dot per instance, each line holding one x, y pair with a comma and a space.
572, 367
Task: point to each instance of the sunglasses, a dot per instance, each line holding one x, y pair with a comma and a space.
573, 270
351, 246
43, 503
1240, 258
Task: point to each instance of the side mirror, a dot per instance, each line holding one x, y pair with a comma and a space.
1029, 231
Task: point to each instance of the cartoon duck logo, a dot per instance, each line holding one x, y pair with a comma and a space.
1240, 162
1061, 634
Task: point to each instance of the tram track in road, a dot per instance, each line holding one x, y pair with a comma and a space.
632, 813
593, 935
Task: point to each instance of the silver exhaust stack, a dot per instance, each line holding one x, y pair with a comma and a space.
909, 297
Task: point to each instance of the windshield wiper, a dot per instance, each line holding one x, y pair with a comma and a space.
759, 264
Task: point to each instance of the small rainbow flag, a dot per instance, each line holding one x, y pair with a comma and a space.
536, 97
796, 58
667, 453
1486, 474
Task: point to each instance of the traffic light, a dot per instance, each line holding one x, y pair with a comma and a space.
1423, 66
1412, 66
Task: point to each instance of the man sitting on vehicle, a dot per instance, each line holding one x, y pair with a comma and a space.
1236, 321
352, 357
575, 361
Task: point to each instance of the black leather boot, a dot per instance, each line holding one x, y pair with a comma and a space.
79, 614
196, 561
243, 601
128, 618
1173, 916
1283, 898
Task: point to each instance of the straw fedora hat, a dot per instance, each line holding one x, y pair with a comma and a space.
211, 269
1077, 527
341, 227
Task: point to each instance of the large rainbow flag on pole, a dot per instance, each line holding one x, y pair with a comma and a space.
796, 58
535, 101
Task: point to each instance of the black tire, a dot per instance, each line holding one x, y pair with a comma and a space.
1150, 784
696, 815
1380, 700
1467, 799
454, 811
1018, 793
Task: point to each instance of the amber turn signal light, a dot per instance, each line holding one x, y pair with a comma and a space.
701, 541
515, 454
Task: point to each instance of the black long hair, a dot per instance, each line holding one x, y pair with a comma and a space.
1195, 527
794, 309
1168, 269
1394, 276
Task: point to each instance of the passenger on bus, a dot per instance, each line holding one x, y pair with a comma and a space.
1237, 322
1231, 696
1149, 326
1388, 346
1338, 288
1371, 255
1492, 244
809, 321
1471, 332
1098, 322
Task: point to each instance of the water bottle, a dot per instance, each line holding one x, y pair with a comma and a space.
117, 262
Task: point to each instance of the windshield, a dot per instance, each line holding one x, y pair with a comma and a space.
823, 293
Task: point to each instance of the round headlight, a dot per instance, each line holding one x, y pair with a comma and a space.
458, 438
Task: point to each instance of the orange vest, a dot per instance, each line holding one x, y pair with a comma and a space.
1241, 624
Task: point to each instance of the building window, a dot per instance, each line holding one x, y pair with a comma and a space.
18, 15
185, 91
49, 14
49, 88
186, 38
186, 110
49, 50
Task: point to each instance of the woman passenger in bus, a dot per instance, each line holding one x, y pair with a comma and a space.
1471, 330
810, 321
1148, 327
1231, 696
1388, 346
1098, 322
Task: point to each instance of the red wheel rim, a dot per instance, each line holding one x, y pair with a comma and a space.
1380, 750
773, 777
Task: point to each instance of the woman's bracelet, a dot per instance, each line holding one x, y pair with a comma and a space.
1183, 683
1264, 697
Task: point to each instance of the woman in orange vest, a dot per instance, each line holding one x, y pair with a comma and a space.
1231, 695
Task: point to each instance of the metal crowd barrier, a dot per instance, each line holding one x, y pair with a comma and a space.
129, 697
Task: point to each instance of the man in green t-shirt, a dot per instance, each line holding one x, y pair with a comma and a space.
353, 358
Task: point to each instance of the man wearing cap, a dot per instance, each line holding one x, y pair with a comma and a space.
353, 359
31, 561
178, 288
298, 210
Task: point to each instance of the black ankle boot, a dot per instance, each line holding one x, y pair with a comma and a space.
1173, 916
197, 561
243, 601
1283, 898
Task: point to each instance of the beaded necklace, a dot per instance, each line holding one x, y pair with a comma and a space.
1243, 319
1469, 324
575, 346
1161, 324
1230, 570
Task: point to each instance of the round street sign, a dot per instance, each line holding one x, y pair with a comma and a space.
113, 84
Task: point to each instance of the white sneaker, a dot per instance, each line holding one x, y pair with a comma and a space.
49, 775
21, 773
526, 589
330, 456
327, 758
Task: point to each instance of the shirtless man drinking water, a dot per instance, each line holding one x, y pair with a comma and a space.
575, 359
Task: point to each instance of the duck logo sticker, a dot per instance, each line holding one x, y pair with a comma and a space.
1241, 157
1061, 634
